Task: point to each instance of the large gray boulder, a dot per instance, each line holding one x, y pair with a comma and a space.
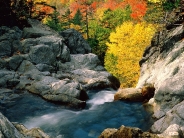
75, 42
6, 76
162, 65
9, 41
67, 92
39, 54
87, 70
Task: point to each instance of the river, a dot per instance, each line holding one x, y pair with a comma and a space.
60, 122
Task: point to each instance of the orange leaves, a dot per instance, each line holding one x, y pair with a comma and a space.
46, 9
138, 8
112, 4
83, 5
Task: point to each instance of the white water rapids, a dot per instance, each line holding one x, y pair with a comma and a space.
101, 112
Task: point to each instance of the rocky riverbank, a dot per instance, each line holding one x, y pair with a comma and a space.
57, 67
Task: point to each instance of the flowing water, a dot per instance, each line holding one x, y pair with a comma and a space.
59, 122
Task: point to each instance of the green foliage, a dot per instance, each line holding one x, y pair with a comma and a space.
99, 30
171, 4
155, 13
98, 38
53, 22
111, 19
77, 19
66, 19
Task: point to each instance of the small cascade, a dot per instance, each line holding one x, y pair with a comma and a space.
101, 112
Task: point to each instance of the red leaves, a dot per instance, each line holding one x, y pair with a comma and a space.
113, 4
46, 9
138, 8
84, 6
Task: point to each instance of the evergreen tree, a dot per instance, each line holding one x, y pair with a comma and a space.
66, 19
77, 19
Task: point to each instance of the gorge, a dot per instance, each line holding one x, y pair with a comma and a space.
41, 61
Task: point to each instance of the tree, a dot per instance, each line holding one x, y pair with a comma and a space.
86, 7
99, 29
125, 49
77, 19
98, 38
53, 21
113, 18
66, 19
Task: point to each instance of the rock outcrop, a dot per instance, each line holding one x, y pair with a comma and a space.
7, 129
58, 68
162, 65
14, 130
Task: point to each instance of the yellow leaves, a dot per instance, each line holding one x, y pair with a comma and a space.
155, 1
76, 27
99, 13
127, 43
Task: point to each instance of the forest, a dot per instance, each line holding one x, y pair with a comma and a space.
118, 31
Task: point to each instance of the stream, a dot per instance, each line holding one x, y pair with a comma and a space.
60, 122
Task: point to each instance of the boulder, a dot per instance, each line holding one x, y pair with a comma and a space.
5, 76
27, 44
7, 129
172, 118
5, 48
129, 94
173, 131
9, 41
37, 29
91, 79
14, 62
3, 63
39, 55
108, 132
30, 133
44, 67
56, 43
126, 132
87, 70
60, 91
75, 42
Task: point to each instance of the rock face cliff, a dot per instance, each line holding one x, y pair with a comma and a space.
163, 66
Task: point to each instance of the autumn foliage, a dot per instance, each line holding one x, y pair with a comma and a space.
118, 30
125, 49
